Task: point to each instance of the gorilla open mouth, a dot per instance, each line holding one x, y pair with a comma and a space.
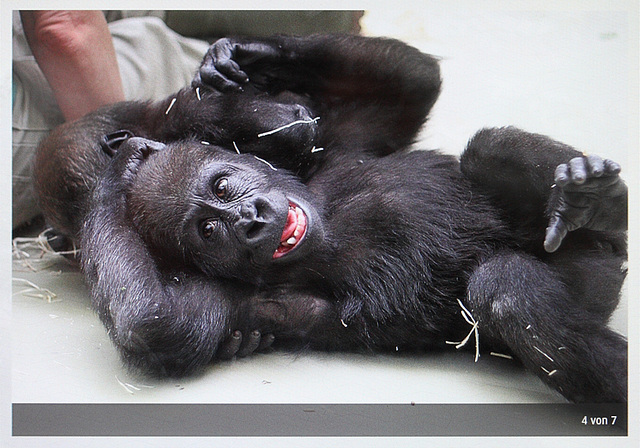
293, 232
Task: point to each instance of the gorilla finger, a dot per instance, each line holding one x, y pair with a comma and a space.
561, 175
578, 168
152, 146
231, 70
596, 165
197, 79
230, 346
111, 142
142, 147
221, 50
265, 342
211, 77
555, 233
250, 345
611, 167
223, 53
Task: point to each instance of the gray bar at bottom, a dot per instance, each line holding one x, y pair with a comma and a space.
271, 420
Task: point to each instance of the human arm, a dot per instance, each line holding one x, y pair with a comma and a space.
76, 54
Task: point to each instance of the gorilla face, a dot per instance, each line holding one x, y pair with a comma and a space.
229, 215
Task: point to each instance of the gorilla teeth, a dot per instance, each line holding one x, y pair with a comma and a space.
293, 231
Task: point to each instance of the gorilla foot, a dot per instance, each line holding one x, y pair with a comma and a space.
588, 193
241, 346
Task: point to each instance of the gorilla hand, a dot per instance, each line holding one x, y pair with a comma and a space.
112, 141
126, 161
224, 63
588, 194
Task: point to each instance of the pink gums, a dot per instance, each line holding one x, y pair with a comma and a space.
293, 232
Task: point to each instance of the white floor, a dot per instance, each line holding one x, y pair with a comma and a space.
62, 355
565, 74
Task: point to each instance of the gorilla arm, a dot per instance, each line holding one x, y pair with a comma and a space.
369, 93
161, 323
70, 160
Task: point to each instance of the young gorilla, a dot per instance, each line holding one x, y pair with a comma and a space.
367, 245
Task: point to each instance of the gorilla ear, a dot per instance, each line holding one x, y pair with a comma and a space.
111, 142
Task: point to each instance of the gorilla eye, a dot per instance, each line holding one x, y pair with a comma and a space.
221, 188
207, 228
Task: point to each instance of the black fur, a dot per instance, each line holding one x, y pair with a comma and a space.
178, 238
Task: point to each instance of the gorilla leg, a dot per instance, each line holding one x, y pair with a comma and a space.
521, 302
593, 273
515, 167
538, 182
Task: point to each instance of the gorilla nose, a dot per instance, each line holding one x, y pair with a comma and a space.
258, 223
